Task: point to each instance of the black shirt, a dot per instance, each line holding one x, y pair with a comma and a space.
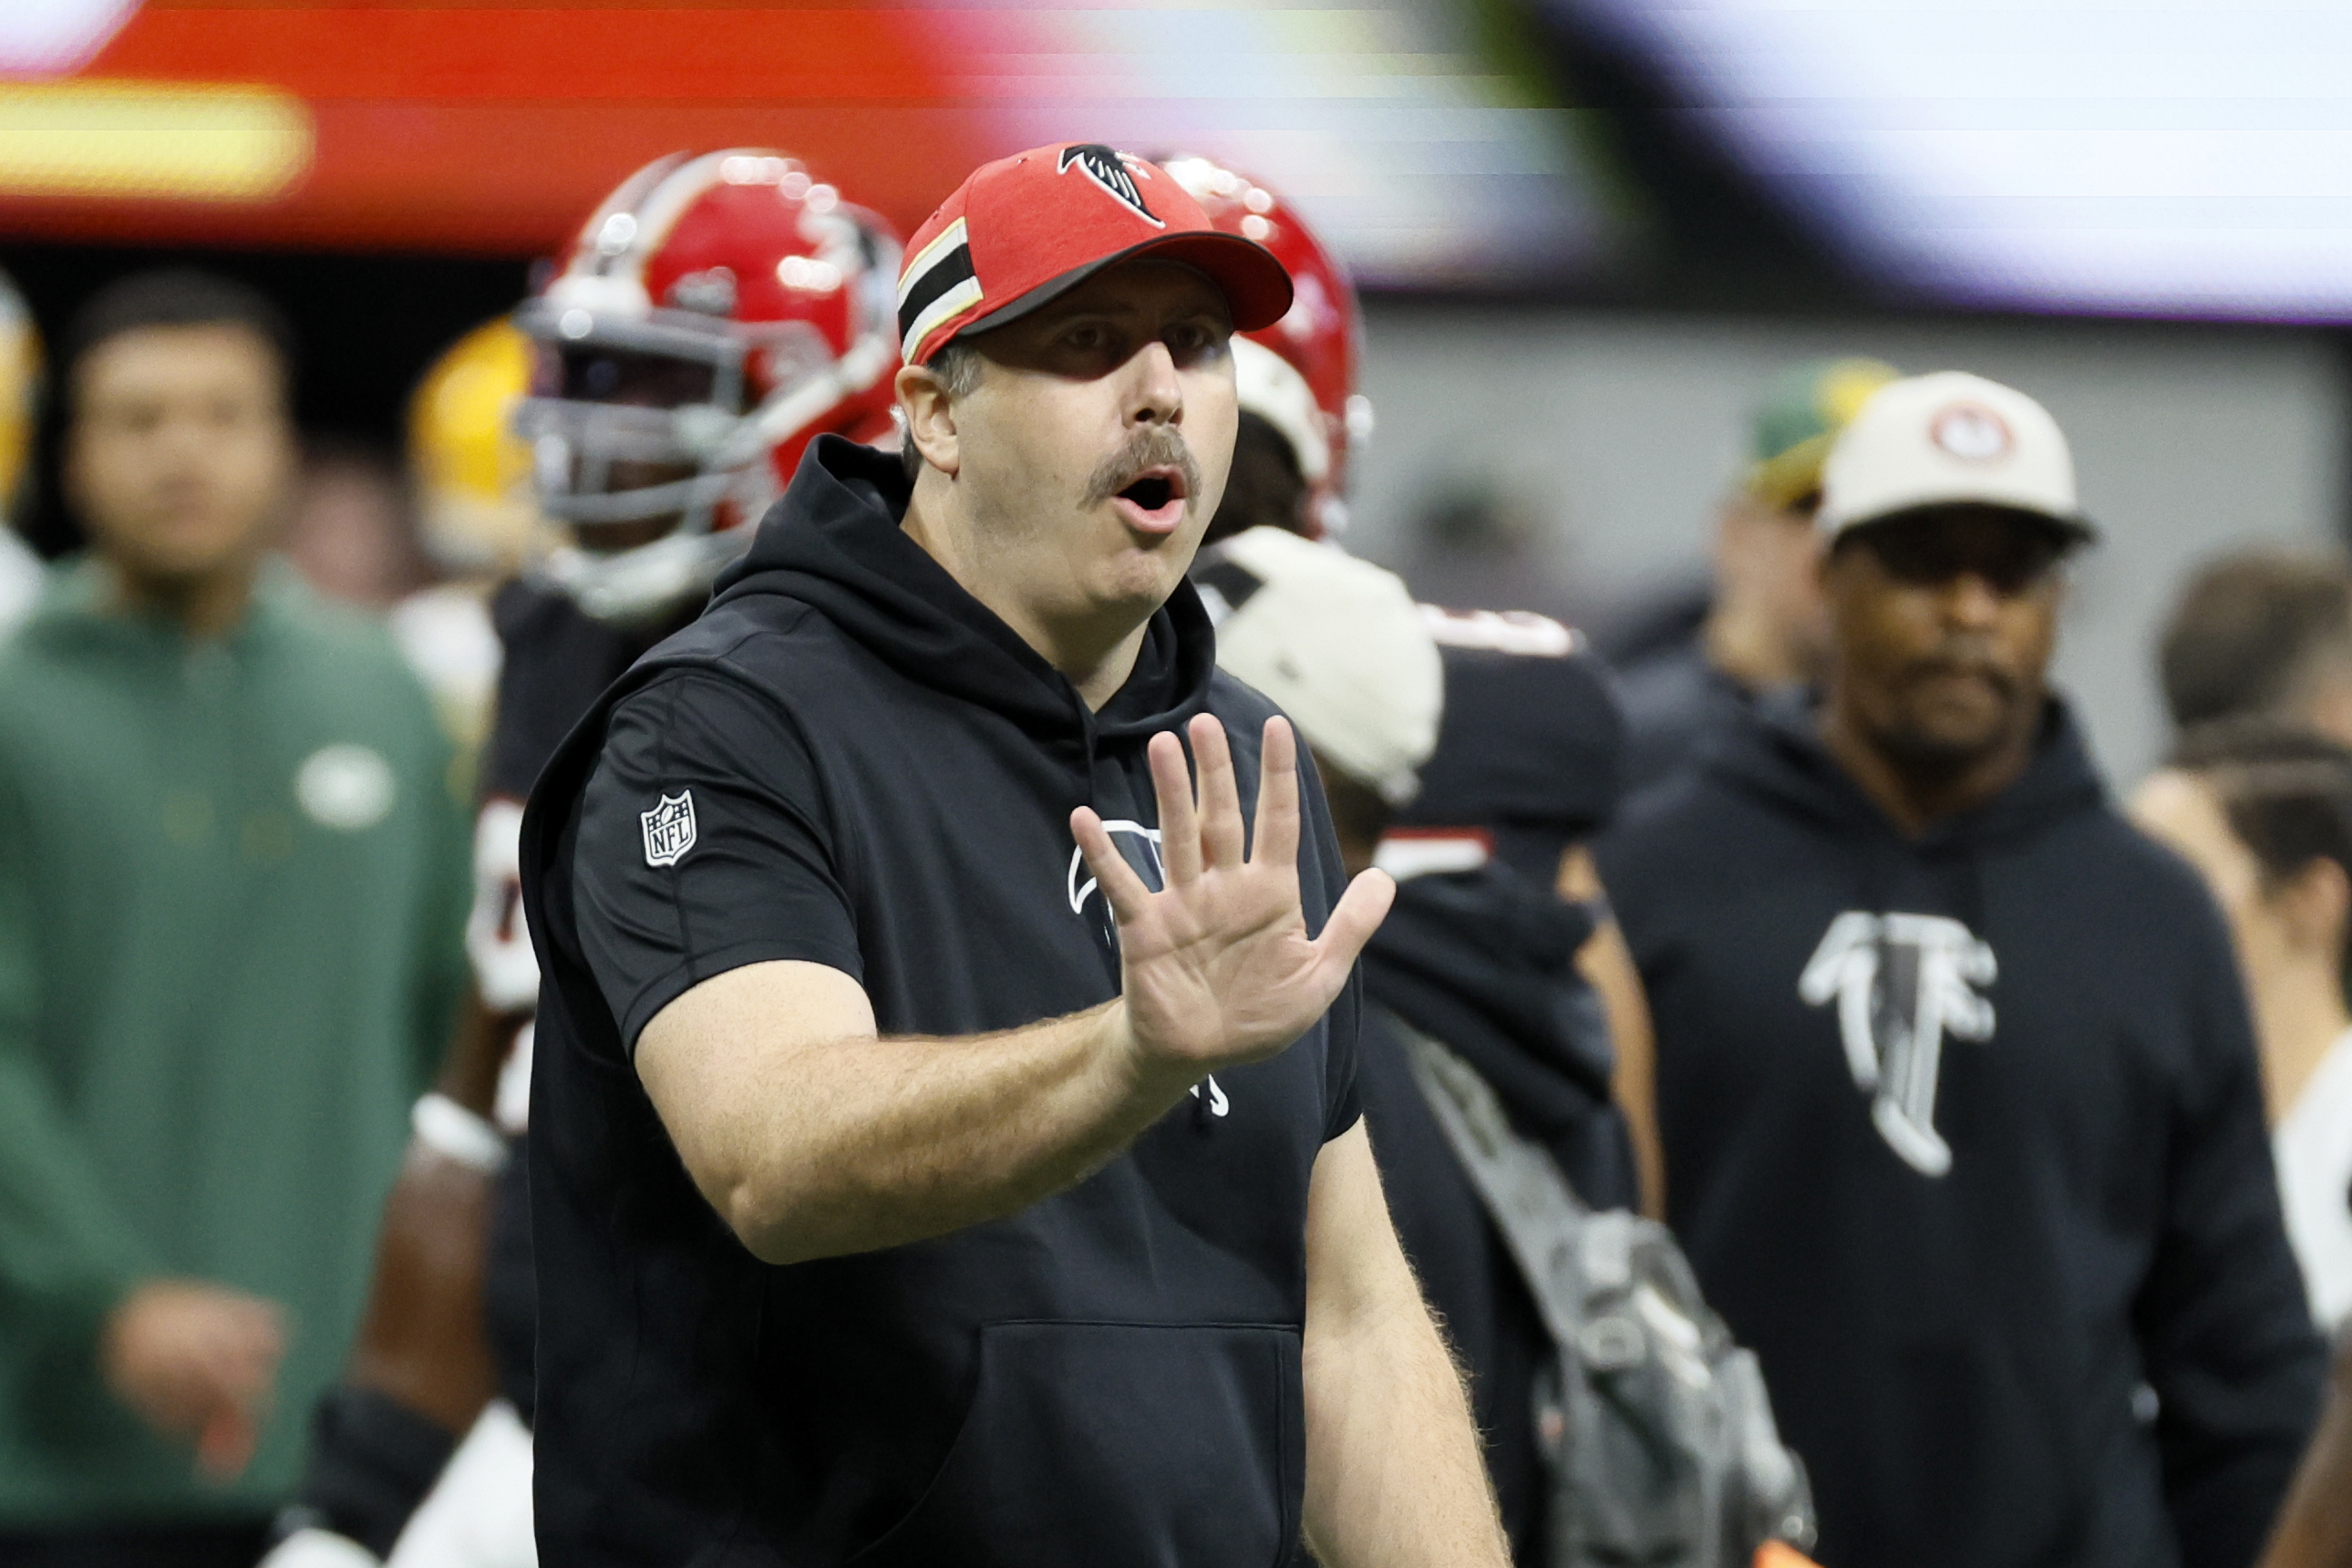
849, 761
1964, 1137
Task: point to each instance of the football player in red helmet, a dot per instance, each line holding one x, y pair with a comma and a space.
1525, 771
1301, 414
715, 315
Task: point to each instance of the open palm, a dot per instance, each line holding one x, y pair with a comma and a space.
1219, 967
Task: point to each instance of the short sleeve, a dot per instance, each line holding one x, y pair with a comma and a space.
703, 846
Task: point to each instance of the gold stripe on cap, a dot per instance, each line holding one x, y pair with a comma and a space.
923, 260
956, 298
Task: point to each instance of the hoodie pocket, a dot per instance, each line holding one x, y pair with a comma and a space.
1115, 1445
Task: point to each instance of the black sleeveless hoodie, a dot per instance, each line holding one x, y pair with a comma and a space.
1111, 1377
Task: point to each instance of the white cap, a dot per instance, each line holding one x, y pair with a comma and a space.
1948, 438
1339, 647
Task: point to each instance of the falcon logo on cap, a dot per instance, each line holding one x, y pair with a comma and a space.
1017, 234
1106, 167
1971, 432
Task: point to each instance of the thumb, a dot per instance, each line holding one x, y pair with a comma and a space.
228, 1442
1360, 910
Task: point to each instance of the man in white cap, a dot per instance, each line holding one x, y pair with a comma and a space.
1962, 1122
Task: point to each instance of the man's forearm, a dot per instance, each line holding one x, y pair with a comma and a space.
423, 1341
858, 1144
813, 1136
2315, 1524
900, 1139
1394, 1479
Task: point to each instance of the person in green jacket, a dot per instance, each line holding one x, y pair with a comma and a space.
233, 883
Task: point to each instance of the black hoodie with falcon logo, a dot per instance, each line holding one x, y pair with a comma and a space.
848, 759
1964, 1136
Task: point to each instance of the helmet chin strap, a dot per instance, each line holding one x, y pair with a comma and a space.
647, 581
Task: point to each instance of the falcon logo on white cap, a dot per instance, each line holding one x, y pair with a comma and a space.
1971, 432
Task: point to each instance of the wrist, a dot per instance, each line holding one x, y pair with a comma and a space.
371, 1462
446, 1128
1148, 1079
108, 1312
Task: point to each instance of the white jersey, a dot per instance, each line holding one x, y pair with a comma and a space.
2313, 1146
446, 635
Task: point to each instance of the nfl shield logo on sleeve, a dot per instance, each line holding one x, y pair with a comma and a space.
669, 828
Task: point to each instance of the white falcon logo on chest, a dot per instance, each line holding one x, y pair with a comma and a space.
1902, 983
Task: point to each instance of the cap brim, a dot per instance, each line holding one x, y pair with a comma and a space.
2076, 529
1255, 286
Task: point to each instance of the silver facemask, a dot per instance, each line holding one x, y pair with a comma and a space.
575, 444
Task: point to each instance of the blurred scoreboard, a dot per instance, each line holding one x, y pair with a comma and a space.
492, 129
2162, 157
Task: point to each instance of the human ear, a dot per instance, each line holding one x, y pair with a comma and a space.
1800, 550
929, 414
1735, 524
2059, 586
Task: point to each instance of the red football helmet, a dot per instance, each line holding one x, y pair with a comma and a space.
1298, 375
715, 315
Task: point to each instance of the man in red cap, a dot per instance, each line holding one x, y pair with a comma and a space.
945, 1145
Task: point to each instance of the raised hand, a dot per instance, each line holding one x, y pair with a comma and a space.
1218, 966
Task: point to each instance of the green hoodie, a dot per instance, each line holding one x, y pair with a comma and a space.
233, 884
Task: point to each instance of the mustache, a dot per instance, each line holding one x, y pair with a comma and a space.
1152, 446
1954, 662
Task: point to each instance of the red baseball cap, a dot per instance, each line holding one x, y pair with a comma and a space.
1023, 230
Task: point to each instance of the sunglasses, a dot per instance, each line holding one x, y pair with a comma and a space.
2011, 555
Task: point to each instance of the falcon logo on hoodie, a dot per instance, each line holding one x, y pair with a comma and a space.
1902, 983
1138, 845
1137, 842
